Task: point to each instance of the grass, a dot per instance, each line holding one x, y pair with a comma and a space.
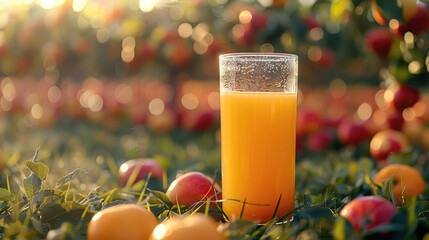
81, 179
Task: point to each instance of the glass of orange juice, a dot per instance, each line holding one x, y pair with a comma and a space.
258, 95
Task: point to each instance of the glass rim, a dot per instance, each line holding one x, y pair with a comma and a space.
250, 55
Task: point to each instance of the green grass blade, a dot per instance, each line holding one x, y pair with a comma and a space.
242, 209
206, 211
144, 188
277, 206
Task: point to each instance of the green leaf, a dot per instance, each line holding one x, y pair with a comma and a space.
339, 8
5, 195
38, 168
392, 227
315, 213
114, 203
51, 212
54, 195
387, 189
67, 178
32, 184
412, 222
390, 9
241, 227
39, 226
162, 198
402, 158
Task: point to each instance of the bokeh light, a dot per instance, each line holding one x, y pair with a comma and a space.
147, 5
156, 106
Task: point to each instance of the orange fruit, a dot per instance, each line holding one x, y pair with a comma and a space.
376, 13
193, 227
409, 9
126, 221
279, 3
405, 178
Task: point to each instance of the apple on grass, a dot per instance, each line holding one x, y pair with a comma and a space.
416, 24
379, 41
320, 140
395, 121
368, 212
352, 133
193, 187
308, 121
401, 96
386, 142
144, 167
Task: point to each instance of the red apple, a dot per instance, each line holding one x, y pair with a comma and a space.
203, 121
147, 51
214, 49
352, 133
327, 59
258, 21
395, 121
416, 24
311, 22
367, 212
308, 121
248, 38
386, 142
146, 166
379, 41
403, 96
193, 187
320, 140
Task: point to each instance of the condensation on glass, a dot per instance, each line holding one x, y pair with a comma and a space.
258, 72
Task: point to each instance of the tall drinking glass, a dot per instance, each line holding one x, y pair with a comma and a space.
258, 95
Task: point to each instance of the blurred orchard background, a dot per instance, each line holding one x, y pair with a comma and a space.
123, 79
93, 83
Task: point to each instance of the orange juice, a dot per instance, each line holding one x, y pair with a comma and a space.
258, 153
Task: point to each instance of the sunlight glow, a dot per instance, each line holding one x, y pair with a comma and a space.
147, 5
159, 231
48, 4
123, 168
79, 5
245, 17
